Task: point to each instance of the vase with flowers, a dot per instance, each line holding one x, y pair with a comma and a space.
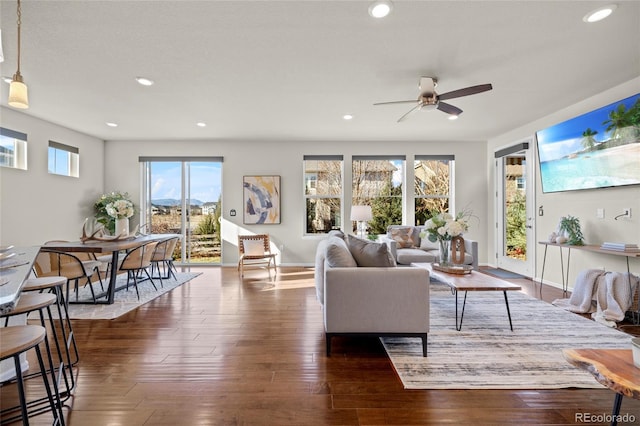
441, 228
113, 210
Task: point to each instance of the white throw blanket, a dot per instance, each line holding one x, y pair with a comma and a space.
607, 295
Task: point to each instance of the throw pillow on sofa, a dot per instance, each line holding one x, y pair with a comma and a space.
338, 254
369, 253
405, 237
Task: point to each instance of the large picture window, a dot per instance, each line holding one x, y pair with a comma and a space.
63, 159
322, 193
433, 181
377, 182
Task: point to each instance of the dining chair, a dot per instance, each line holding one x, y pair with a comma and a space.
163, 258
57, 263
89, 260
255, 250
136, 261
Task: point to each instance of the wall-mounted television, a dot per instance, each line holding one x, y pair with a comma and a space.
598, 149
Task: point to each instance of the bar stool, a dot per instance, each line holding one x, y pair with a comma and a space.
27, 304
55, 285
17, 340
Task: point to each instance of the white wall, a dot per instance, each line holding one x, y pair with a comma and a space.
37, 206
122, 172
581, 204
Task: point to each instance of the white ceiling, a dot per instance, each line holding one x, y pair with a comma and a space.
289, 70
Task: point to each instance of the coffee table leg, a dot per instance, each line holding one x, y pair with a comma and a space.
506, 301
464, 303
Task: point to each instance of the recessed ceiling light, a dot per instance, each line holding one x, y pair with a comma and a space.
347, 117
380, 8
110, 124
600, 13
144, 81
201, 124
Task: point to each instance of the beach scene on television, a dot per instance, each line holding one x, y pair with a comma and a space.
598, 149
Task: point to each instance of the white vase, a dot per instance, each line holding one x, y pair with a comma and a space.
122, 227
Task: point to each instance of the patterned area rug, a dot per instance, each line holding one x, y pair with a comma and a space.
125, 301
486, 354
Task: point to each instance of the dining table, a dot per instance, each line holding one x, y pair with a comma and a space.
98, 247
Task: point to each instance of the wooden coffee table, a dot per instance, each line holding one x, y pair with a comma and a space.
473, 281
613, 368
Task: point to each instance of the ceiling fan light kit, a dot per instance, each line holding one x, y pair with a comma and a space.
429, 99
380, 8
18, 95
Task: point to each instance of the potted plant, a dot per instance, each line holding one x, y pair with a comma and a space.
570, 227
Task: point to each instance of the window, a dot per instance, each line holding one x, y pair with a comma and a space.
377, 182
322, 193
64, 159
13, 149
433, 180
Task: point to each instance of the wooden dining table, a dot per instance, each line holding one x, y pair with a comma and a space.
102, 247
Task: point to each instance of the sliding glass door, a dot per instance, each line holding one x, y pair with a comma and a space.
183, 196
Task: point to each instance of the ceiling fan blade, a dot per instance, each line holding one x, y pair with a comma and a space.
396, 102
472, 90
404, 117
448, 108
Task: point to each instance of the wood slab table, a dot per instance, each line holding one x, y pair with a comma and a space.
613, 368
101, 247
473, 281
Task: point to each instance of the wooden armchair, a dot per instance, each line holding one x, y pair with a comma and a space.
255, 250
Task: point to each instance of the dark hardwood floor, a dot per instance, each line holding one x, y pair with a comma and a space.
221, 351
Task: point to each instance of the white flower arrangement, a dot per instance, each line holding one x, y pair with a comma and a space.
444, 226
120, 209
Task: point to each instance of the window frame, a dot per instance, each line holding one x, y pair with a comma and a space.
72, 162
357, 198
449, 197
339, 214
17, 159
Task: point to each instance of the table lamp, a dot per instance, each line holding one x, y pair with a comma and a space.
361, 214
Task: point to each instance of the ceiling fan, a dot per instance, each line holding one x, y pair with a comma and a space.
429, 99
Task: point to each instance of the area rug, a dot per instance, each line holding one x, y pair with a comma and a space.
486, 354
125, 301
501, 273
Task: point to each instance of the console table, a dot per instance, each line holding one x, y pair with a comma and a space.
592, 248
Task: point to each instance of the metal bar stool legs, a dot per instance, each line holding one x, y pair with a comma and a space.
17, 340
55, 285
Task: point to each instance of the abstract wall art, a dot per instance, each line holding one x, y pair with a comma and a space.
261, 196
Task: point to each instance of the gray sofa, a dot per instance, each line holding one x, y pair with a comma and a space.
359, 298
406, 246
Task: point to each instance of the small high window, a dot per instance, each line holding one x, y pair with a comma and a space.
13, 149
64, 159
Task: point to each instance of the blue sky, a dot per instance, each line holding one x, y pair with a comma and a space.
566, 137
206, 180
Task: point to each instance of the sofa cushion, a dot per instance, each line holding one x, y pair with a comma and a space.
405, 236
336, 233
338, 254
409, 256
425, 244
369, 253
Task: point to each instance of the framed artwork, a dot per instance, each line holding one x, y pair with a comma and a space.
261, 197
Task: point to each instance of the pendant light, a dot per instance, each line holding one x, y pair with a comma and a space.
18, 90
